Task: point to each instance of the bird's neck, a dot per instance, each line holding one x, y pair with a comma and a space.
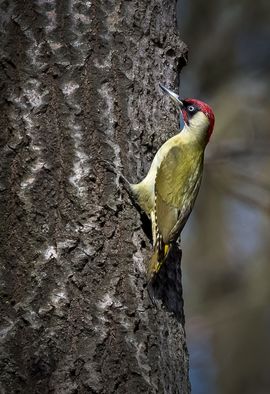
196, 132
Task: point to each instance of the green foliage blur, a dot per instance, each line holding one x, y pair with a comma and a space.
226, 248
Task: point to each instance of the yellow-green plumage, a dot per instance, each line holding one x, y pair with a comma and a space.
168, 192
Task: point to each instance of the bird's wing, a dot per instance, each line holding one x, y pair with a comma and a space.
176, 187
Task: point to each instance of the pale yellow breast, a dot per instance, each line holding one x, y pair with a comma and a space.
145, 190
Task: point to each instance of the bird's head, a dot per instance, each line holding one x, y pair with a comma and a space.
195, 114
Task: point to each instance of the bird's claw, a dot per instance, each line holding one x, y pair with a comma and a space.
125, 183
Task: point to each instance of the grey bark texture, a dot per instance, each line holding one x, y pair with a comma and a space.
79, 86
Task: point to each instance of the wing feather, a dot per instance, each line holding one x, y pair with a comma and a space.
176, 187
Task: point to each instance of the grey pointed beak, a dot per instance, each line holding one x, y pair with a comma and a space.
178, 102
172, 95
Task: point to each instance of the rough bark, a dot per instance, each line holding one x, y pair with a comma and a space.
79, 85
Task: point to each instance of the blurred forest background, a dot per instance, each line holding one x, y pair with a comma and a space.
226, 259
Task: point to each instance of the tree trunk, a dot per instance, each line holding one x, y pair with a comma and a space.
79, 84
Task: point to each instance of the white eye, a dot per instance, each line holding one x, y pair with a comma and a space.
191, 108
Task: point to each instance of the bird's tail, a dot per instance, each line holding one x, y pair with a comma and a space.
158, 258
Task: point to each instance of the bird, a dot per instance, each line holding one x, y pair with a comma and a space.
168, 192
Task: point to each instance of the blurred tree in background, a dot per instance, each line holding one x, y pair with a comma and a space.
226, 243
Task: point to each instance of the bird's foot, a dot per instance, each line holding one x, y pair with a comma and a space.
125, 183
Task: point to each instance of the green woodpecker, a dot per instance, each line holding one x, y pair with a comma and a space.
168, 192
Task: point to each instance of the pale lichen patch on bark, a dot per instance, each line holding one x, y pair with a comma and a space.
58, 299
80, 162
50, 253
106, 92
33, 98
80, 167
106, 302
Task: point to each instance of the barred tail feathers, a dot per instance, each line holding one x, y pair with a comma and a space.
161, 249
158, 258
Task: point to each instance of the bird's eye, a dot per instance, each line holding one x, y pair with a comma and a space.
191, 108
